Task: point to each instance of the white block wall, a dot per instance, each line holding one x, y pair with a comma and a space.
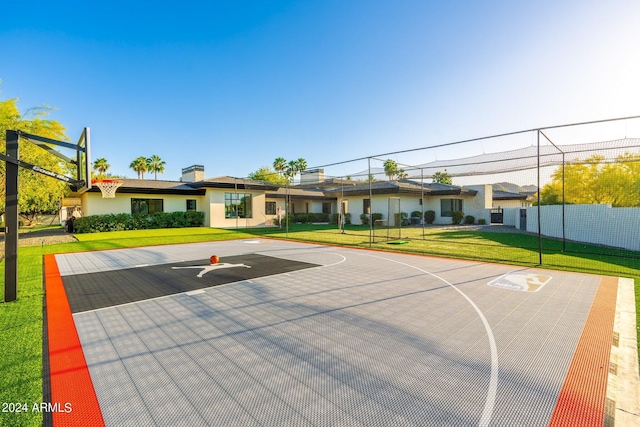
598, 224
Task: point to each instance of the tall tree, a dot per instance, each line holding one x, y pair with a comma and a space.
38, 193
595, 181
291, 171
294, 167
288, 170
267, 174
156, 165
442, 177
301, 164
140, 166
280, 165
392, 170
101, 166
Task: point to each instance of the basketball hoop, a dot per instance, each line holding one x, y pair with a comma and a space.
108, 187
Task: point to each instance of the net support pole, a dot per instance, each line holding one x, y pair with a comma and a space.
11, 219
564, 239
236, 201
539, 210
422, 200
370, 203
564, 236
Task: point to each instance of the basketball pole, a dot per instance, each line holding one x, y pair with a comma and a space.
13, 165
11, 219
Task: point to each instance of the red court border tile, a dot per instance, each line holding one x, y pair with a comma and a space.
583, 395
71, 385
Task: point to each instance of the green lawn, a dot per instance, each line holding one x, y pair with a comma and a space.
21, 321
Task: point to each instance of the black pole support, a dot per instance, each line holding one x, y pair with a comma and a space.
11, 219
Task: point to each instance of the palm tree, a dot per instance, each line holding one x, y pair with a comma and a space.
140, 166
292, 170
442, 177
155, 164
302, 164
101, 166
280, 165
390, 169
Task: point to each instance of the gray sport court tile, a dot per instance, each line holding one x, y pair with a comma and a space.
367, 338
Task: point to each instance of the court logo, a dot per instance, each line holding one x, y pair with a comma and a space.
210, 267
525, 282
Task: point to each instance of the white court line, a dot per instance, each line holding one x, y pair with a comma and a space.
493, 381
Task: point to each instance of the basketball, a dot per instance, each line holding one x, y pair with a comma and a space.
214, 259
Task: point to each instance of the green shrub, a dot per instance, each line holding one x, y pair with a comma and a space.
347, 218
402, 218
375, 217
482, 221
457, 217
305, 218
121, 222
194, 218
430, 216
319, 217
301, 218
469, 219
416, 217
364, 219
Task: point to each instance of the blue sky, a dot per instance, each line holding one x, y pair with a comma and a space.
233, 85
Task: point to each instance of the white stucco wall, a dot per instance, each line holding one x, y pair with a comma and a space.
380, 205
599, 224
478, 206
511, 203
94, 204
217, 219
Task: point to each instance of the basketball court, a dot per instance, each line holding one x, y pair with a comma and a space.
283, 333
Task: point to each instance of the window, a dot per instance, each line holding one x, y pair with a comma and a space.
147, 206
270, 208
191, 205
366, 206
447, 206
237, 205
326, 208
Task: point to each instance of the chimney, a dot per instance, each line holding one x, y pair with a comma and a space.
193, 173
312, 176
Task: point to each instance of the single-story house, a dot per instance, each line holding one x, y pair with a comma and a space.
229, 202
388, 197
